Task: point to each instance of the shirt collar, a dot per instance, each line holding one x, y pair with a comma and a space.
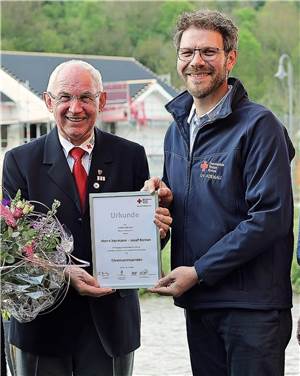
212, 110
87, 145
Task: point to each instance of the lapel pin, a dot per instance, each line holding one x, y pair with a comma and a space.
100, 172
96, 185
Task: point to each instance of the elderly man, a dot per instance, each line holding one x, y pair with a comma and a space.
95, 330
227, 177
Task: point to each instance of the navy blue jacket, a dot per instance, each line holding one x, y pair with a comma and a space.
232, 209
41, 171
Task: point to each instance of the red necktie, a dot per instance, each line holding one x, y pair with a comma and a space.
79, 173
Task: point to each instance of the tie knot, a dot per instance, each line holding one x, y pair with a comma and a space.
77, 153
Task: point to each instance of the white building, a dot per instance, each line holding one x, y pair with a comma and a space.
135, 112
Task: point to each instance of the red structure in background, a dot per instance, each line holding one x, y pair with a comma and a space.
119, 106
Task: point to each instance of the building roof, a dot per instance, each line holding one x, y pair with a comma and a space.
34, 68
5, 99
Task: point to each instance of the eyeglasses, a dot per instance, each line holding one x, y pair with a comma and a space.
207, 53
86, 98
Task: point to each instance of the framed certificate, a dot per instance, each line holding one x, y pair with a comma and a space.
125, 240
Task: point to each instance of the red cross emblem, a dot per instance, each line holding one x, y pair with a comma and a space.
139, 200
204, 166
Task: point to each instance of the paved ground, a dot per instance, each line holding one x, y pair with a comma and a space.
164, 347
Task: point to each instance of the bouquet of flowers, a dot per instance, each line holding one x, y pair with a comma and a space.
35, 249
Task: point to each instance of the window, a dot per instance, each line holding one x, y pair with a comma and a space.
35, 130
4, 131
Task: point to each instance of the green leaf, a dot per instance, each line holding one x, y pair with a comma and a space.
10, 259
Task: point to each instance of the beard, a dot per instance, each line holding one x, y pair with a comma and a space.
202, 90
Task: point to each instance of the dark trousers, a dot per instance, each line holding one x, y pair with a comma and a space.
3, 357
88, 359
238, 342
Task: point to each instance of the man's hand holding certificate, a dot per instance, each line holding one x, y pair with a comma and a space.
125, 238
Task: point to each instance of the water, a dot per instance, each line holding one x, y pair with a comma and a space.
164, 349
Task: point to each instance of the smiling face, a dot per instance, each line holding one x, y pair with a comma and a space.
75, 119
205, 80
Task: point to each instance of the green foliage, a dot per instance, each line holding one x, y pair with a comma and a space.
246, 17
167, 16
246, 69
144, 29
278, 35
295, 276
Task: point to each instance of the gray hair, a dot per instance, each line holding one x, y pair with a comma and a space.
96, 75
208, 20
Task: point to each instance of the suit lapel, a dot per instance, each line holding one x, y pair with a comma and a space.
102, 163
59, 170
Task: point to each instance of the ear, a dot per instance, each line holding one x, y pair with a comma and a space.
48, 101
231, 60
102, 101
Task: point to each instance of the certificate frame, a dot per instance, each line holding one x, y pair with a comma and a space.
133, 260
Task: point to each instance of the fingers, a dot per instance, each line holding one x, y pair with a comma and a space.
165, 195
163, 221
165, 291
163, 228
177, 282
89, 280
171, 290
163, 215
164, 192
152, 185
164, 286
95, 292
90, 287
86, 284
165, 281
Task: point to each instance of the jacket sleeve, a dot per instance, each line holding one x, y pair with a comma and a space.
12, 178
140, 167
268, 197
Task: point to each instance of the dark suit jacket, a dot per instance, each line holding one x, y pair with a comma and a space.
41, 171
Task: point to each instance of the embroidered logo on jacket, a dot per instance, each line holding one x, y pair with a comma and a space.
211, 170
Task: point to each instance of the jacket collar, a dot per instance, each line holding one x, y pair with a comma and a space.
102, 163
181, 105
59, 170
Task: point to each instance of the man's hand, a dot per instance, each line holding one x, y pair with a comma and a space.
84, 283
165, 195
177, 282
163, 221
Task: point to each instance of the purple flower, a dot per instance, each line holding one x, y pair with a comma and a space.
6, 202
